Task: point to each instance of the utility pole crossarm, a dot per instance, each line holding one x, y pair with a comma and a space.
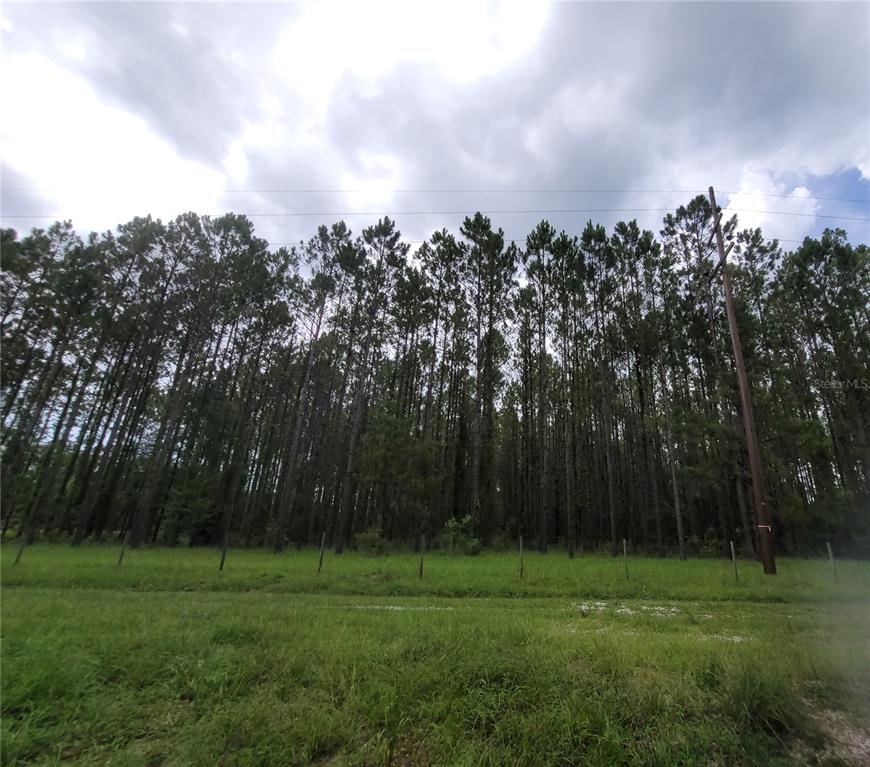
720, 264
717, 216
762, 520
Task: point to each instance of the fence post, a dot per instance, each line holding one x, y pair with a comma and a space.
734, 562
422, 547
521, 556
625, 556
833, 564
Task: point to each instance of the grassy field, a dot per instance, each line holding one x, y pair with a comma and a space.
165, 661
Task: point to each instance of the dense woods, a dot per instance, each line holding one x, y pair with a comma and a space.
184, 384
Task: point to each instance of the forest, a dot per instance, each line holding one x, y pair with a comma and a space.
183, 383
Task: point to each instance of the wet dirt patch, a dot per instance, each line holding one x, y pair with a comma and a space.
845, 744
735, 638
400, 608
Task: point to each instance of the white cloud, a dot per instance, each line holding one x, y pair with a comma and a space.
375, 186
103, 164
180, 29
236, 163
466, 41
578, 108
74, 49
114, 101
862, 161
759, 192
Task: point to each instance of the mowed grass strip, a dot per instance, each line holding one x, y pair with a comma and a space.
114, 675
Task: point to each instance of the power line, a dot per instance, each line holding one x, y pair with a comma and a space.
480, 191
301, 240
528, 211
865, 201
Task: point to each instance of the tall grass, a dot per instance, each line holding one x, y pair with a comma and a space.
164, 661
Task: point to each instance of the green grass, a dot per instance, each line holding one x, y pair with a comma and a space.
487, 575
164, 661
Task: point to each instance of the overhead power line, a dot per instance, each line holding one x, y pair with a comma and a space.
791, 196
301, 240
527, 211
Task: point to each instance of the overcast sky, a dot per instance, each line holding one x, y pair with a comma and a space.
111, 110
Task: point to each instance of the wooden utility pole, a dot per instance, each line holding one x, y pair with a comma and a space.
762, 520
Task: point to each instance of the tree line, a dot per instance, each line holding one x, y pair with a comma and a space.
182, 383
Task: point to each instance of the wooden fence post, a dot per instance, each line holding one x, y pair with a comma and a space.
422, 547
833, 564
521, 556
625, 556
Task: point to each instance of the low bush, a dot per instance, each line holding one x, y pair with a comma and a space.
457, 538
371, 542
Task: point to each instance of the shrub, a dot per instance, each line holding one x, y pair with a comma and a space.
371, 542
456, 537
709, 547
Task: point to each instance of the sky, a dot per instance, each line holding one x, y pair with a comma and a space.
302, 114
